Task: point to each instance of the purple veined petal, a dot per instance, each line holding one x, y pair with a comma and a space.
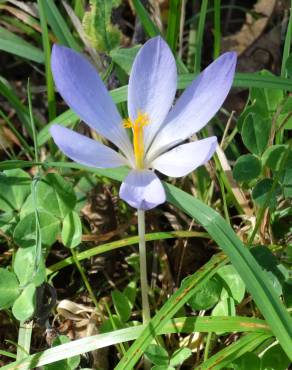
84, 150
142, 189
185, 158
82, 89
197, 105
152, 85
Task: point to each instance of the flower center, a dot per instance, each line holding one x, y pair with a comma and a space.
138, 136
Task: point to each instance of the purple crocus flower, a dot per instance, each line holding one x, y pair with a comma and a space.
158, 127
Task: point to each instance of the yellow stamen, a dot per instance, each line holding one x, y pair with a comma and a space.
138, 136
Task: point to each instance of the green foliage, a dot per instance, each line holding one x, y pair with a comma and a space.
58, 24
180, 356
161, 359
157, 355
149, 26
248, 361
255, 133
273, 156
273, 359
121, 305
9, 288
225, 307
40, 211
207, 296
226, 287
102, 34
71, 230
233, 284
266, 171
14, 44
24, 306
14, 189
55, 195
265, 194
130, 292
125, 57
34, 225
246, 168
287, 182
70, 363
25, 230
287, 293
275, 271
34, 270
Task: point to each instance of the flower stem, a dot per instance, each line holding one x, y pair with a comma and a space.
143, 267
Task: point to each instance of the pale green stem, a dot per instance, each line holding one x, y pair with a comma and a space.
24, 339
143, 267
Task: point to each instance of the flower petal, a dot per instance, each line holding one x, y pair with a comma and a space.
86, 151
81, 87
185, 158
142, 189
197, 105
152, 85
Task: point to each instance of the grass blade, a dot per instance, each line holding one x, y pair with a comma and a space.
251, 273
68, 118
217, 28
47, 52
287, 44
245, 344
59, 25
14, 44
22, 16
123, 243
247, 80
254, 278
149, 26
173, 23
21, 110
178, 325
168, 310
200, 34
15, 163
119, 95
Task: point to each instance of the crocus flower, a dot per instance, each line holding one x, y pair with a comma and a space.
158, 128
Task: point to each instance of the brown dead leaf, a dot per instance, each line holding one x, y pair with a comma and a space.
251, 29
7, 138
80, 321
100, 210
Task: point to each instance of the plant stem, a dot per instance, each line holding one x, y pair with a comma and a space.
287, 44
200, 34
207, 347
217, 28
24, 339
143, 267
86, 282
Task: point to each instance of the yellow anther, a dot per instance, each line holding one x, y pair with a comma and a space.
127, 123
138, 137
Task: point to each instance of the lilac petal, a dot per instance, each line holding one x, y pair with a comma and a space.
197, 105
86, 151
152, 85
81, 87
185, 158
142, 189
